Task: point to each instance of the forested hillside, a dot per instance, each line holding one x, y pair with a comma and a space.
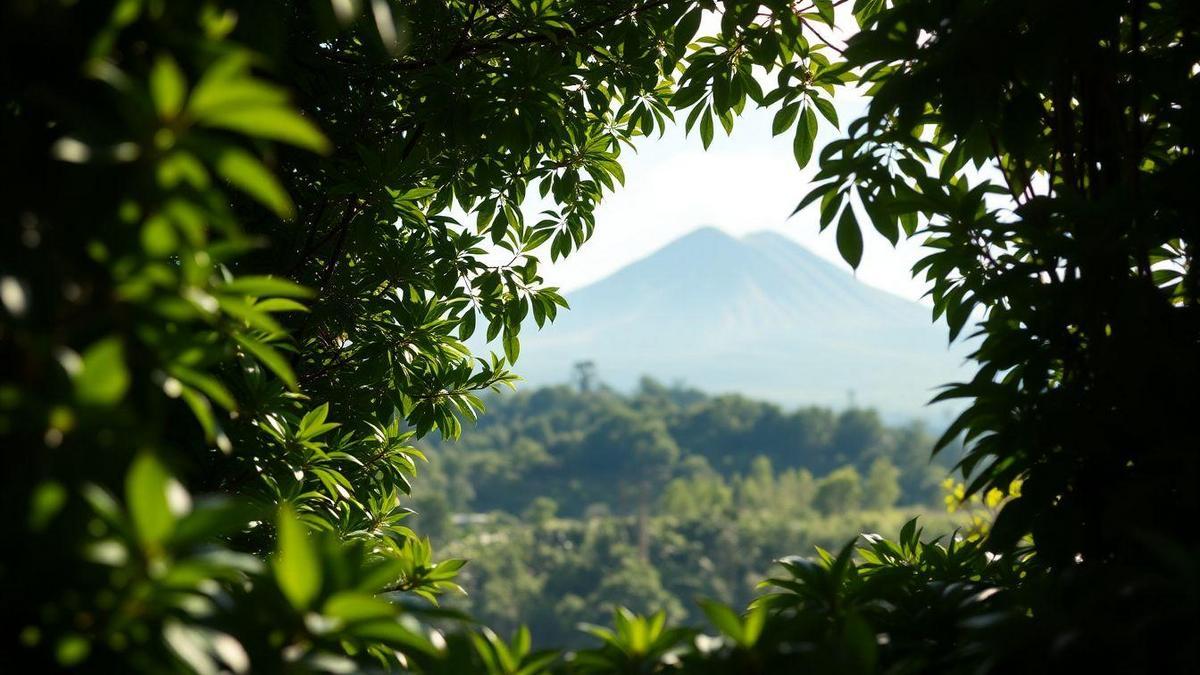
579, 449
540, 498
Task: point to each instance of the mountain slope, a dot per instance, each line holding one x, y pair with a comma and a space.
761, 316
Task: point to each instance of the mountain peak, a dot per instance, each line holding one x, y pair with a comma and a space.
761, 315
705, 235
770, 237
769, 240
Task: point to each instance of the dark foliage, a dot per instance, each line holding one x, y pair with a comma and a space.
229, 270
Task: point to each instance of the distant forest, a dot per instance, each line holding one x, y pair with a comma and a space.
571, 500
580, 446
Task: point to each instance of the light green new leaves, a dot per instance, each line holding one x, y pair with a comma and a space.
826, 10
47, 500
744, 632
229, 97
278, 123
168, 87
245, 172
104, 378
297, 569
265, 286
512, 347
148, 489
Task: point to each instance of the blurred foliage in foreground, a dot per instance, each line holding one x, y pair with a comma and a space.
553, 573
232, 299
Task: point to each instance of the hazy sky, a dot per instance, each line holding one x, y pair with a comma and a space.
745, 182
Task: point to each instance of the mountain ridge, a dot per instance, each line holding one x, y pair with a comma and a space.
760, 315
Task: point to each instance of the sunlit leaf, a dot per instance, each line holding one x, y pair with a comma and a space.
147, 495
297, 568
104, 377
245, 172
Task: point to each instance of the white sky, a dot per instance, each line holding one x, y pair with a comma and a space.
743, 183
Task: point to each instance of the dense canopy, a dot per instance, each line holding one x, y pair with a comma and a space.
244, 243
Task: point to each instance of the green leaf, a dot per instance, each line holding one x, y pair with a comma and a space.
825, 9
883, 218
103, 378
810, 122
752, 628
849, 237
71, 649
213, 518
274, 122
723, 618
202, 409
47, 500
357, 606
806, 136
158, 237
393, 633
245, 172
466, 327
168, 87
706, 128
686, 30
785, 118
227, 85
265, 286
297, 569
279, 305
825, 107
831, 202
314, 417
686, 97
860, 643
147, 488
512, 347
269, 358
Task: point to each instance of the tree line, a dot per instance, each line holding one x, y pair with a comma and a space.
579, 448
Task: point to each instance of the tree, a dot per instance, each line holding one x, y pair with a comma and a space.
697, 495
584, 375
540, 511
839, 492
636, 585
858, 430
881, 488
797, 490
